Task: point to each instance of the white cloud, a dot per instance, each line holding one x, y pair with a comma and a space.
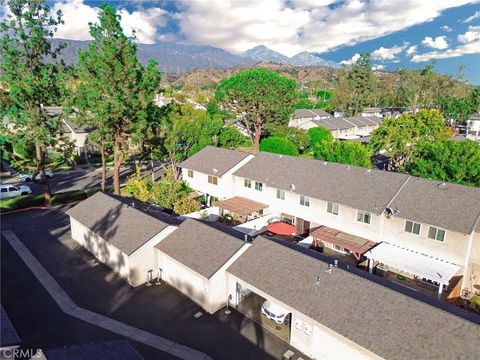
440, 42
412, 49
353, 60
446, 28
378, 67
77, 15
387, 53
476, 15
472, 34
470, 48
293, 26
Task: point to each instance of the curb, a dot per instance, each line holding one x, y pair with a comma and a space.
25, 209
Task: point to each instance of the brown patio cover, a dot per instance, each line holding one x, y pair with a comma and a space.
355, 244
241, 206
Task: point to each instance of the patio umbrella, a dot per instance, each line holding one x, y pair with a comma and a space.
281, 228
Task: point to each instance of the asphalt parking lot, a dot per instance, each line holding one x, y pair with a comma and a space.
161, 310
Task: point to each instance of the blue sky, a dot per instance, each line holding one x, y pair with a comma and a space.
398, 33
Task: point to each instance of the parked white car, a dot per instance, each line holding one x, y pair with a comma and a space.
275, 312
8, 191
30, 176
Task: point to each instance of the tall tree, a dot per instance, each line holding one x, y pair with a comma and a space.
362, 83
115, 90
31, 82
399, 138
258, 96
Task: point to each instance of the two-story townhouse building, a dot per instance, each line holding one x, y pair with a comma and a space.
302, 116
210, 171
371, 204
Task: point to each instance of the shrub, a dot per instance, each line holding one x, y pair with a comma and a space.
278, 145
21, 202
67, 197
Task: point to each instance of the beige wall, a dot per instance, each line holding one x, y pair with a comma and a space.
101, 249
313, 339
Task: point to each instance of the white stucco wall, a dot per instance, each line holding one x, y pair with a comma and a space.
101, 249
224, 188
320, 343
145, 258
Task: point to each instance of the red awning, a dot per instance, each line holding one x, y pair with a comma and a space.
281, 228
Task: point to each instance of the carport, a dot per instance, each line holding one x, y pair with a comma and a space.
249, 303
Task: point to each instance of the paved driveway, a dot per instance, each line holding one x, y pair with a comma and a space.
159, 309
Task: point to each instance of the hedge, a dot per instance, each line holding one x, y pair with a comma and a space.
26, 201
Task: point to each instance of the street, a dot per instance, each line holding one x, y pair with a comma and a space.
79, 179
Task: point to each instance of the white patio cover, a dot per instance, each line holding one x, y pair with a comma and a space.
413, 262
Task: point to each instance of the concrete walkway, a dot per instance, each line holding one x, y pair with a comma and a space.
69, 307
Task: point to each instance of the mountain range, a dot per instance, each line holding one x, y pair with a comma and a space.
177, 58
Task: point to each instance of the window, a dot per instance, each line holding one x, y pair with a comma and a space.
247, 183
332, 208
364, 216
258, 186
4, 189
280, 194
190, 173
213, 180
436, 233
412, 227
304, 200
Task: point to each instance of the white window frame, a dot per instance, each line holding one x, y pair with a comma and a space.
280, 194
363, 214
247, 183
190, 173
332, 206
258, 186
212, 180
437, 229
305, 200
413, 223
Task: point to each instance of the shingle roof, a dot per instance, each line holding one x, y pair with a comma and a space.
115, 220
450, 206
375, 119
325, 124
77, 128
388, 323
8, 334
357, 120
202, 247
340, 123
320, 112
303, 113
352, 186
212, 158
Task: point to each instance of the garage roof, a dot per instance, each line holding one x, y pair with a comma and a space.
200, 246
214, 161
122, 222
386, 322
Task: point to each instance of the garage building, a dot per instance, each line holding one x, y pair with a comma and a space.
194, 258
336, 314
121, 233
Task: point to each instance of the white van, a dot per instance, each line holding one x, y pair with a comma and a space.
8, 191
275, 312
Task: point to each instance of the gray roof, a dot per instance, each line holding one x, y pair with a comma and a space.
386, 322
76, 127
115, 220
367, 120
212, 158
8, 334
341, 123
320, 112
303, 113
357, 120
325, 124
54, 110
449, 206
375, 119
352, 186
202, 247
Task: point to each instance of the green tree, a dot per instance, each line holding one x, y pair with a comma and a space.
115, 90
258, 96
352, 153
297, 136
398, 137
31, 82
278, 145
458, 109
187, 131
362, 83
230, 138
447, 160
139, 187
319, 135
